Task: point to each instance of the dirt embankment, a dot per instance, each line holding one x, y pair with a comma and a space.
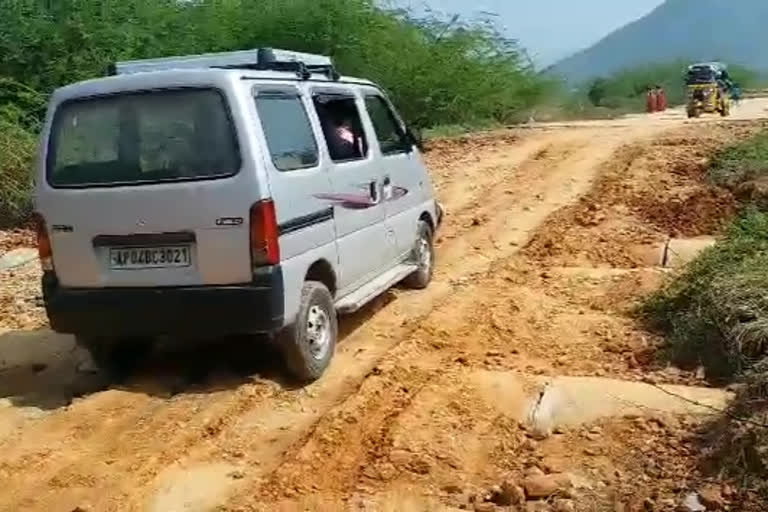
424, 407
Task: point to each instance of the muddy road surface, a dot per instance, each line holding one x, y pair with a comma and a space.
518, 381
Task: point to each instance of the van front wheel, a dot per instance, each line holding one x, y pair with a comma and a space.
423, 255
308, 345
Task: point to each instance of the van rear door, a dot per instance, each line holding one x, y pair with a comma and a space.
145, 189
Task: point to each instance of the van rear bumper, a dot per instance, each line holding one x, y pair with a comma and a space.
256, 307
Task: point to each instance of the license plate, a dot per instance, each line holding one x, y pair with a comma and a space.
131, 258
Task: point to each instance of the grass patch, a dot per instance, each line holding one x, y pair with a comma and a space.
715, 313
738, 443
741, 163
456, 130
17, 153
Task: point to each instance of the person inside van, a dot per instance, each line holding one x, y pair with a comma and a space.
343, 130
349, 143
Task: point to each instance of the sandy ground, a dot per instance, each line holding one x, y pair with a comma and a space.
424, 408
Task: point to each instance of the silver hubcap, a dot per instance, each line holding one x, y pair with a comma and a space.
424, 254
318, 332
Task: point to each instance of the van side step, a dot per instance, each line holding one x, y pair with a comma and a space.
359, 298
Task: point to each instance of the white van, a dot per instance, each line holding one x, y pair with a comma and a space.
246, 192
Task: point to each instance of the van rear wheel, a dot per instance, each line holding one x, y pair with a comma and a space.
309, 344
118, 357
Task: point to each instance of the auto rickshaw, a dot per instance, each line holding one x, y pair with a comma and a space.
708, 85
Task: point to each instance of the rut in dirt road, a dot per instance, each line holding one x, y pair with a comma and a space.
260, 419
444, 407
418, 399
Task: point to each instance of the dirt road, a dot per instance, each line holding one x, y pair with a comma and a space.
497, 373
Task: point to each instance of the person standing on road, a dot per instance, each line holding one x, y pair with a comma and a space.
651, 103
736, 94
661, 98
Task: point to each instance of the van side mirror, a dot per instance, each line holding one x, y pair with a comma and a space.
415, 137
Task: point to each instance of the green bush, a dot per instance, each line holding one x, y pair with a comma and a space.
626, 90
17, 149
715, 312
21, 109
439, 71
20, 104
741, 163
738, 443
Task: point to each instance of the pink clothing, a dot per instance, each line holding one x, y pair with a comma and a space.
345, 134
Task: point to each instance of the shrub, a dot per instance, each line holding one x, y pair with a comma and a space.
439, 71
715, 312
738, 443
17, 149
627, 89
741, 163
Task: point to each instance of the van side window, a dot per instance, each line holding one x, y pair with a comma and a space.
289, 135
389, 133
342, 127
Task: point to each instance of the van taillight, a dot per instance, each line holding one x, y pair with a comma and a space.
265, 247
44, 249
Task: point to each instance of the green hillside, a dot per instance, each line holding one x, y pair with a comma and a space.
729, 30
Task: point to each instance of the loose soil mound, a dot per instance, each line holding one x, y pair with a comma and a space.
651, 191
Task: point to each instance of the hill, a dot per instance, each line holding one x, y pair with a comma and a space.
729, 30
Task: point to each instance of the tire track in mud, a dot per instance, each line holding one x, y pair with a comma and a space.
338, 392
341, 456
113, 449
354, 450
93, 451
92, 424
357, 451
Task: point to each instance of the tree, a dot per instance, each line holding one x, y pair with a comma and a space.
597, 91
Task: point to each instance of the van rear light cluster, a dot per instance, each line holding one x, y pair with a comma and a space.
265, 245
44, 249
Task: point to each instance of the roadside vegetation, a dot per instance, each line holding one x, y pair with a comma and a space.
448, 76
439, 72
625, 91
715, 314
742, 166
17, 148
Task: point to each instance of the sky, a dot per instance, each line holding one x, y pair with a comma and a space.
549, 29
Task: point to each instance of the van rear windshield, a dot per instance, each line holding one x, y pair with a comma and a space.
138, 138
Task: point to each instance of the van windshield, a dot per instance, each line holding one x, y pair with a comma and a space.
145, 137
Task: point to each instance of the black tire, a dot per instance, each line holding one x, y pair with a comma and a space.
117, 357
306, 355
421, 278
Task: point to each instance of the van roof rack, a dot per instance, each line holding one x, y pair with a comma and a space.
262, 59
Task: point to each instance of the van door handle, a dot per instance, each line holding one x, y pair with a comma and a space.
386, 188
373, 191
